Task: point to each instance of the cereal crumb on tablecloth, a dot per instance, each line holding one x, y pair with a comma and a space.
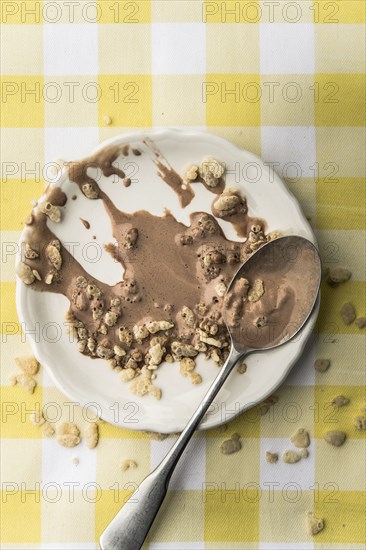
314, 525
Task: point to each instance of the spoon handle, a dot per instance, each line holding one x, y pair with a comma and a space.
129, 528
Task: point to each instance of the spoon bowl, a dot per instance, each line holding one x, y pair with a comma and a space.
286, 274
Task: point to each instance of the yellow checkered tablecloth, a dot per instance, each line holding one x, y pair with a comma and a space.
283, 79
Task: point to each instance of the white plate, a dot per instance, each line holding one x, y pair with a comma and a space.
91, 383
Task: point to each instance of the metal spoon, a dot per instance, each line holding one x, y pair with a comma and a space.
296, 262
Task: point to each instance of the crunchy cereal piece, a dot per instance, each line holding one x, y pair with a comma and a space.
82, 333
208, 260
128, 463
81, 345
131, 238
314, 525
256, 291
49, 278
291, 457
191, 173
56, 243
91, 435
183, 350
89, 191
75, 461
211, 170
25, 273
335, 438
103, 329
54, 257
47, 429
37, 418
206, 339
214, 355
184, 241
140, 386
226, 203
337, 275
194, 377
81, 282
188, 316
125, 336
92, 291
206, 225
230, 203
156, 354
140, 332
220, 289
340, 401
91, 344
29, 253
26, 381
301, 438
37, 275
155, 392
127, 374
107, 120
209, 327
68, 434
360, 322
120, 352
261, 322
271, 458
169, 358
201, 309
274, 235
186, 365
322, 365
97, 307
53, 212
110, 318
348, 313
232, 445
256, 236
156, 326
29, 365
104, 353
242, 368
360, 422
